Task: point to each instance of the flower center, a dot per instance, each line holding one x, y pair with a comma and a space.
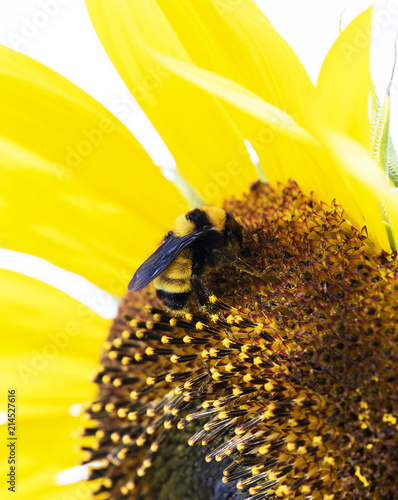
290, 391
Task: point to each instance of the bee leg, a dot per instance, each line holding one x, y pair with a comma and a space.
231, 257
202, 295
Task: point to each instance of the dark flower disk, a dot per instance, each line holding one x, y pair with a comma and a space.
288, 391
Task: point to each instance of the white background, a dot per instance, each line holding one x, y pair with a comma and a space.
59, 34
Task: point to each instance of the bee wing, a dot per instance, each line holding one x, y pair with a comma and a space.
159, 260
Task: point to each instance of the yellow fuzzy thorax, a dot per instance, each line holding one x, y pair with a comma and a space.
183, 226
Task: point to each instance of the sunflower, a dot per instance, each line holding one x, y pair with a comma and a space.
290, 386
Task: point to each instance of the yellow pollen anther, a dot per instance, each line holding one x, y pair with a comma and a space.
388, 417
360, 476
256, 469
283, 491
226, 343
122, 453
317, 440
216, 375
329, 460
213, 299
147, 463
131, 485
107, 482
258, 361
125, 334
269, 386
115, 437
140, 334
140, 441
122, 412
107, 345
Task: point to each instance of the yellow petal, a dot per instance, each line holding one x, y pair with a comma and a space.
200, 135
50, 348
206, 136
77, 188
341, 123
60, 434
40, 483
237, 41
344, 80
274, 118
286, 150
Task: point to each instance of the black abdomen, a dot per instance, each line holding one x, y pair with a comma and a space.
174, 300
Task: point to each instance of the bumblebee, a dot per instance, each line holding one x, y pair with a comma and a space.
200, 239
